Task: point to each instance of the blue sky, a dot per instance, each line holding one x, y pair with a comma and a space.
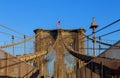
26, 15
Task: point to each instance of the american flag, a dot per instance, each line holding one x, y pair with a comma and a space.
58, 23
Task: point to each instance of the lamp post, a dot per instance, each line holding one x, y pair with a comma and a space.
24, 44
93, 26
13, 43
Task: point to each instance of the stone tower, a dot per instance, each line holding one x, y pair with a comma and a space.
46, 38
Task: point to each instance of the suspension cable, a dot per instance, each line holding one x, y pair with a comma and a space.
108, 25
35, 54
17, 43
9, 34
105, 27
110, 33
84, 57
12, 30
103, 43
101, 30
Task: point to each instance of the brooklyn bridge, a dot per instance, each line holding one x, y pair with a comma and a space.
61, 53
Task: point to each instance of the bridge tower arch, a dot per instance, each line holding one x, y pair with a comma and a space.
45, 38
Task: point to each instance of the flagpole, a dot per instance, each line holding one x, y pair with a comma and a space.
58, 25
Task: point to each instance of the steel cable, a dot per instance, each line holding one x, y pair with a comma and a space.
11, 30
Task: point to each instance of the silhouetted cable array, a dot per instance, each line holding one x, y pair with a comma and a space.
108, 25
105, 27
104, 34
110, 33
85, 57
103, 43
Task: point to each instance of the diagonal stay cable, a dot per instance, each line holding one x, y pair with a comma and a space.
106, 26
78, 55
109, 33
17, 43
9, 34
12, 30
34, 55
103, 43
20, 42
